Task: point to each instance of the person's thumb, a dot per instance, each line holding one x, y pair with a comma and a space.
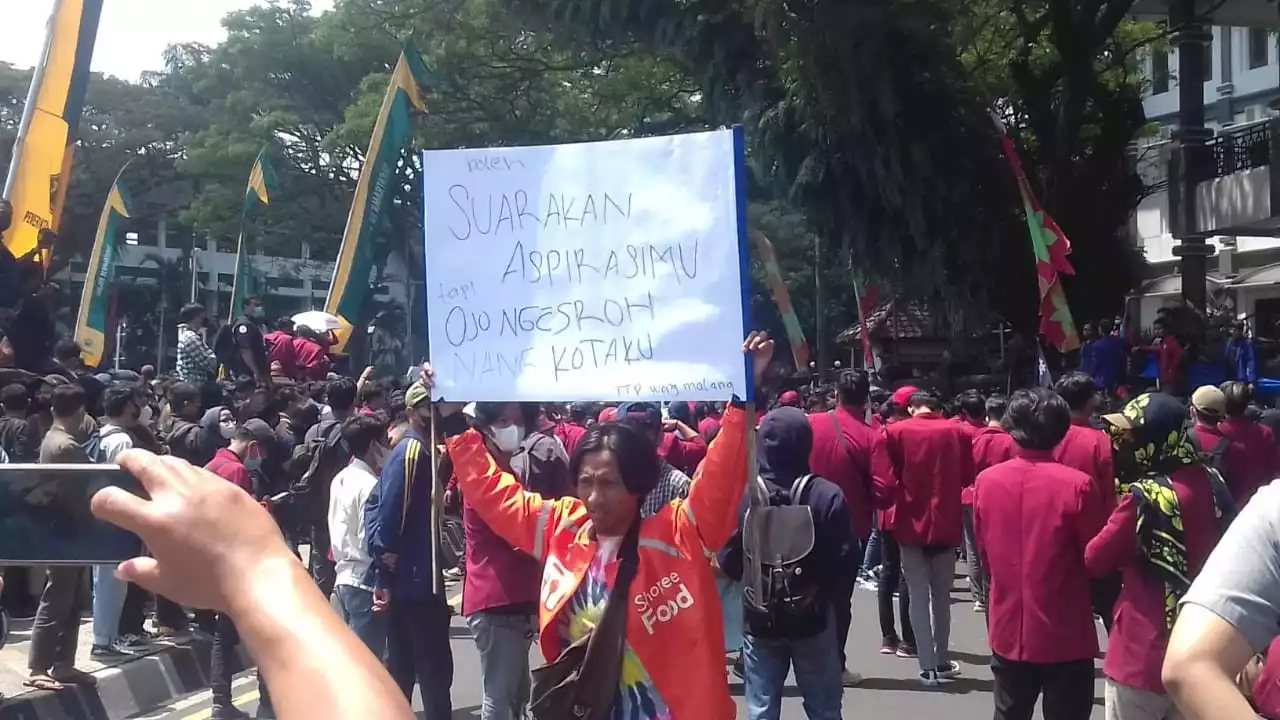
144, 571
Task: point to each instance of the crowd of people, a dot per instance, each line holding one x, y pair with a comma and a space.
632, 541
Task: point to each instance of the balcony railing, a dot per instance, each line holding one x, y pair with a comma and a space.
1235, 150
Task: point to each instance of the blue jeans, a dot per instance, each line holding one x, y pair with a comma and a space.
355, 606
503, 640
816, 661
108, 602
872, 556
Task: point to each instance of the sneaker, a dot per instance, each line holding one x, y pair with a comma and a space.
906, 651
738, 670
929, 678
228, 712
868, 583
109, 653
979, 606
170, 634
948, 670
135, 642
453, 573
850, 679
888, 647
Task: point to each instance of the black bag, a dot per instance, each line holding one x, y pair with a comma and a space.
582, 683
782, 587
313, 466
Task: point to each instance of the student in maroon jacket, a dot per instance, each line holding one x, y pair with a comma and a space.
1159, 537
973, 412
932, 462
991, 446
1251, 459
850, 454
1034, 518
1088, 450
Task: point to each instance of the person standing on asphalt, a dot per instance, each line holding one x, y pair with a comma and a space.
890, 580
353, 568
806, 641
991, 446
932, 463
1088, 450
500, 588
849, 453
54, 633
1159, 536
1033, 519
250, 444
401, 536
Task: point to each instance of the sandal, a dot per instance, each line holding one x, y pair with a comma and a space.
75, 677
43, 683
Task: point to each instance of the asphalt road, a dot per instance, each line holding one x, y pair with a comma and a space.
889, 690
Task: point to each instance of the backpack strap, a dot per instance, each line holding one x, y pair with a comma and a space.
1219, 451
799, 488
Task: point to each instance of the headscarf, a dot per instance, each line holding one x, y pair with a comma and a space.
211, 439
1149, 436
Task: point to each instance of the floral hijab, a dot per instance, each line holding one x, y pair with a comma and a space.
1149, 436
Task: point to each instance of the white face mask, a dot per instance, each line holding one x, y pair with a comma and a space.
227, 430
144, 415
508, 438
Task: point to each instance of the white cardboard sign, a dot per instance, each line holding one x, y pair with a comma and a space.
606, 271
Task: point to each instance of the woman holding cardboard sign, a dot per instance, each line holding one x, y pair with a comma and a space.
628, 609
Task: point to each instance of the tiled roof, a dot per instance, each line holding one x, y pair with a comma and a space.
912, 321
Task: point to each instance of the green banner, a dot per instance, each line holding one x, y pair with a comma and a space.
262, 184
95, 299
351, 285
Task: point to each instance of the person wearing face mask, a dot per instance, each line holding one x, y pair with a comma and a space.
250, 443
500, 587
250, 356
366, 439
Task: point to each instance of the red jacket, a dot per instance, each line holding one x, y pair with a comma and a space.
1135, 649
1089, 450
1266, 691
684, 455
849, 453
932, 462
280, 349
228, 466
570, 434
991, 446
1033, 518
313, 360
1250, 461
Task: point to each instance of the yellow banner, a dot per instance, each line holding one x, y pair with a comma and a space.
41, 168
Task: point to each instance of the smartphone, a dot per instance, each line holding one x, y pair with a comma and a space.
45, 517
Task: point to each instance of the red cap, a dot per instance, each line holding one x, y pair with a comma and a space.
902, 396
608, 415
790, 398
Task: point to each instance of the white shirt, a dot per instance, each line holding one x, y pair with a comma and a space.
350, 489
115, 440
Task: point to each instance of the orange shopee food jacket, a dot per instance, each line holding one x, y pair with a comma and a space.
674, 621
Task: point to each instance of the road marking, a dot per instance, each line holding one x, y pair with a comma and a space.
196, 698
238, 701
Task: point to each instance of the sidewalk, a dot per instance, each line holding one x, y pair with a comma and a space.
127, 688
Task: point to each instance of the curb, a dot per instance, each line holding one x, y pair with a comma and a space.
142, 685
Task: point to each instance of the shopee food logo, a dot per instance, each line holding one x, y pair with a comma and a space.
663, 601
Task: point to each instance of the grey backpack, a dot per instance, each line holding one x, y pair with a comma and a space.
782, 595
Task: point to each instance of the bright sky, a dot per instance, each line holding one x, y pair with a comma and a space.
133, 33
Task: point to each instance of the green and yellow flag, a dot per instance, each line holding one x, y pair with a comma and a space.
347, 292
40, 170
95, 299
262, 183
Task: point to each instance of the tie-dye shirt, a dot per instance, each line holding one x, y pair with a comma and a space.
637, 699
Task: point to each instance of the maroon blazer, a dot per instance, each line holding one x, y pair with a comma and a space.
1089, 450
932, 461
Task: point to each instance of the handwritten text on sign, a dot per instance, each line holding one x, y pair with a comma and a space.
594, 271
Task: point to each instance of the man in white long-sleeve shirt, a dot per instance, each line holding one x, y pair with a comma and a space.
366, 437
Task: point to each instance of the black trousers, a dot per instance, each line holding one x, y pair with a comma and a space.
1067, 688
54, 632
890, 580
321, 567
170, 614
134, 613
223, 665
418, 652
1104, 593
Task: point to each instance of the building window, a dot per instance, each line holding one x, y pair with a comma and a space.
1208, 60
1159, 72
1259, 40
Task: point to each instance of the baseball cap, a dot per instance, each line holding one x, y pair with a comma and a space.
262, 432
416, 395
902, 396
1209, 400
608, 415
640, 413
790, 398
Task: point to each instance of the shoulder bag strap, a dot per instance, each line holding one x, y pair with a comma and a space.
608, 639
